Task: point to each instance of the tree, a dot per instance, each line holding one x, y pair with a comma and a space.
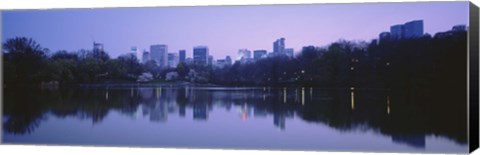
25, 59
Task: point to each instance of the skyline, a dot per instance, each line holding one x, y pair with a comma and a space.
253, 27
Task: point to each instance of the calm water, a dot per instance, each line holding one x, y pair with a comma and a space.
291, 118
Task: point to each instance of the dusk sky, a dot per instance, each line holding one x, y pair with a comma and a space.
224, 29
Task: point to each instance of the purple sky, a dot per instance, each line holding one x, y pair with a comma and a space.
223, 29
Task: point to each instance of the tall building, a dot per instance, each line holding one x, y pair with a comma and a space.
145, 56
159, 53
228, 60
258, 54
182, 55
244, 54
289, 52
279, 46
413, 29
135, 51
97, 46
459, 28
97, 49
200, 55
188, 60
384, 36
220, 63
455, 29
210, 60
396, 31
172, 60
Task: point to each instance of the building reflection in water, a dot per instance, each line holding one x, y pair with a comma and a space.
279, 119
106, 95
352, 97
182, 110
200, 111
328, 107
159, 112
303, 96
388, 104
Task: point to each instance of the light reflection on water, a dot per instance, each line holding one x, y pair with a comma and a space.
283, 118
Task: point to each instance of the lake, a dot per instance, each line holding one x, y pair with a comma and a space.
279, 118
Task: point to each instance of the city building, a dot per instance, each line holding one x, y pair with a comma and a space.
459, 28
182, 54
384, 36
396, 31
145, 56
271, 54
97, 49
258, 54
455, 29
244, 54
172, 60
210, 60
159, 53
413, 29
228, 60
135, 51
221, 63
279, 46
200, 55
188, 60
289, 52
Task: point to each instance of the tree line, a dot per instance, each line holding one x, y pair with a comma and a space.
417, 62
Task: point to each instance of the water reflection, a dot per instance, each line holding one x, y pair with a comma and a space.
339, 109
388, 105
352, 98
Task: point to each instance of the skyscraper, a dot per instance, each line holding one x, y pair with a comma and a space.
289, 52
182, 55
396, 31
220, 63
200, 55
279, 46
210, 60
159, 53
145, 56
459, 28
384, 36
413, 29
97, 49
172, 60
244, 54
134, 50
257, 54
228, 60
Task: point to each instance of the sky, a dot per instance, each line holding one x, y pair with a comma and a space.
224, 29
